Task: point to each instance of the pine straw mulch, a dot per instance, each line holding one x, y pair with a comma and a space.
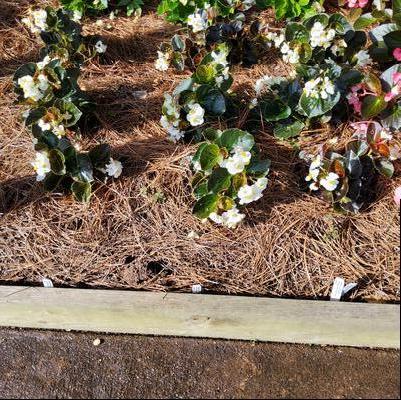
134, 233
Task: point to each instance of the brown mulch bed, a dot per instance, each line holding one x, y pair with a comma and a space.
134, 233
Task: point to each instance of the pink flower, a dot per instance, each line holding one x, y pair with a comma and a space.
354, 98
361, 128
357, 3
397, 196
397, 54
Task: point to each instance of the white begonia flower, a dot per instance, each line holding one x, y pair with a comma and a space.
237, 162
164, 122
196, 114
59, 130
45, 126
262, 84
162, 63
330, 182
232, 218
184, 2
261, 183
363, 58
43, 63
196, 165
313, 174
220, 58
37, 21
43, 82
292, 57
249, 193
76, 16
314, 186
385, 134
310, 87
247, 4
317, 162
327, 88
31, 89
219, 80
216, 218
319, 37
254, 103
285, 48
198, 21
278, 39
100, 47
175, 134
114, 168
41, 165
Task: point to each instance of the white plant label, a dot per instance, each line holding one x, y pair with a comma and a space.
337, 290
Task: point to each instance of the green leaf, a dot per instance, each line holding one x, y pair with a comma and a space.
215, 102
205, 73
282, 131
258, 167
206, 205
201, 190
82, 191
26, 69
315, 106
210, 156
35, 114
177, 43
100, 155
296, 32
393, 39
339, 23
377, 34
231, 138
385, 167
353, 165
51, 181
57, 162
372, 106
219, 180
392, 119
364, 21
275, 110
183, 86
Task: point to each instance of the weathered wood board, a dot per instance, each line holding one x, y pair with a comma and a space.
198, 315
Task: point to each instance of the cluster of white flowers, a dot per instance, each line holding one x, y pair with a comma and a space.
114, 168
320, 37
196, 114
319, 88
230, 218
262, 84
250, 193
36, 21
329, 181
100, 47
41, 165
198, 21
162, 63
289, 55
338, 47
171, 121
220, 58
42, 64
34, 88
57, 129
237, 162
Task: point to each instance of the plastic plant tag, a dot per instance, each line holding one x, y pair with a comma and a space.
47, 283
337, 290
349, 287
196, 288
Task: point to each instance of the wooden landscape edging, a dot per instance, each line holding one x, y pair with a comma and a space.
197, 315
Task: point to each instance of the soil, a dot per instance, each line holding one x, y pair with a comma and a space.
137, 232
37, 364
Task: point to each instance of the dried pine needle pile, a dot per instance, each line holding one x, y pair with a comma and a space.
138, 231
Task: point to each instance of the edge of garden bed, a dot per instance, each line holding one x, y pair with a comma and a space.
198, 315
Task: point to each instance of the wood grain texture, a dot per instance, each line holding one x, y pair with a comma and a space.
228, 317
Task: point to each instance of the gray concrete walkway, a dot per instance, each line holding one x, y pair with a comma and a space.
38, 364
